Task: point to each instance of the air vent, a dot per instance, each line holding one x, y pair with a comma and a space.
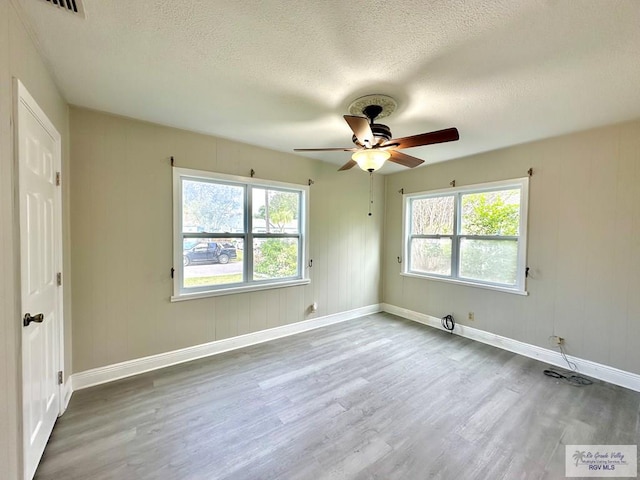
71, 6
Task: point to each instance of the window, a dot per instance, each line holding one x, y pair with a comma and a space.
235, 234
474, 235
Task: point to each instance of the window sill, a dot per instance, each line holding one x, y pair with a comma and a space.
242, 289
467, 283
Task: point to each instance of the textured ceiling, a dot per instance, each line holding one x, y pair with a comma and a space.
281, 74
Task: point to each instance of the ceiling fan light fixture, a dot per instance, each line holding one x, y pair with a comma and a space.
370, 159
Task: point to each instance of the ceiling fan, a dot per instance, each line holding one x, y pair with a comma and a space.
374, 145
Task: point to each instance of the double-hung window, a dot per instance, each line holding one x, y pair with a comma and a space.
474, 235
235, 234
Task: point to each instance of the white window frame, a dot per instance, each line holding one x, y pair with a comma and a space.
457, 192
249, 285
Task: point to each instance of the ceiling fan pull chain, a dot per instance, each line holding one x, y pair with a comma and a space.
370, 191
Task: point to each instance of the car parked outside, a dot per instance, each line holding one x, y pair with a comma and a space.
209, 252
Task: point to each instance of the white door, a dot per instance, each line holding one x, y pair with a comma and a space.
40, 260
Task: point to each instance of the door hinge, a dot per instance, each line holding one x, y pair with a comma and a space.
59, 279
60, 380
57, 179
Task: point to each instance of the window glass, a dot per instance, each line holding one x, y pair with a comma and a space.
212, 261
212, 207
432, 216
275, 258
491, 213
431, 255
275, 211
494, 261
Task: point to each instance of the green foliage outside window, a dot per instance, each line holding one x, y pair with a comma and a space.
489, 260
277, 257
281, 209
491, 213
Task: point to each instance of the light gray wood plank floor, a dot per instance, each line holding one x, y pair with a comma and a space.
377, 397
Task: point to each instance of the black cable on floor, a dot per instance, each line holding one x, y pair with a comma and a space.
448, 323
575, 380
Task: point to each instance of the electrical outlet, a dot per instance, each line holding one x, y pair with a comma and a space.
556, 340
472, 316
314, 307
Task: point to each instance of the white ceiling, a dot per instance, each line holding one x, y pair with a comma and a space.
281, 74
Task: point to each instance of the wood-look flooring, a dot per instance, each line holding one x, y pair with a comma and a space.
374, 398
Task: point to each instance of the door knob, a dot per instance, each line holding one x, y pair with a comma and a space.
28, 318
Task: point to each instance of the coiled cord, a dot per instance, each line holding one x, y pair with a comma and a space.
448, 323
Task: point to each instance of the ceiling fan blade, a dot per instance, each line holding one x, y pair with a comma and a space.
387, 146
439, 136
325, 149
361, 129
403, 159
348, 165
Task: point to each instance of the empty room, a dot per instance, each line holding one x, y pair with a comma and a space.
319, 240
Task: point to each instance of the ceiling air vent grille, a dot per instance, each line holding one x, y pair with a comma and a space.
72, 6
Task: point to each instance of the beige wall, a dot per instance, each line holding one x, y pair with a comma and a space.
583, 251
122, 240
19, 58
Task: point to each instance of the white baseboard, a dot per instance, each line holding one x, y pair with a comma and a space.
109, 373
587, 367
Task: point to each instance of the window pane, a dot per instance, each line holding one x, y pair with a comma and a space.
491, 213
275, 211
432, 216
489, 260
431, 255
212, 261
212, 207
275, 258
